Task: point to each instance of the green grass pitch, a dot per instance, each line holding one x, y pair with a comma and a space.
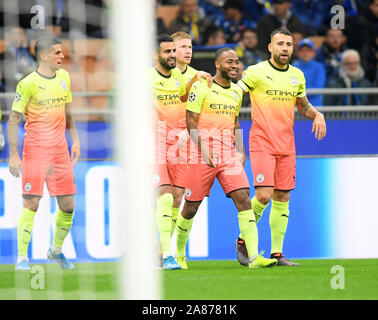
205, 280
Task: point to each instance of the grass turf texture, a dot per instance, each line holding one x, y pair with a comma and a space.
205, 280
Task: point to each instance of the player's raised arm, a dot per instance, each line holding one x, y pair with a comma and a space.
307, 110
191, 124
71, 128
14, 158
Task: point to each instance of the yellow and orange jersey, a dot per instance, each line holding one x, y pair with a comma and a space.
43, 100
167, 92
218, 106
273, 94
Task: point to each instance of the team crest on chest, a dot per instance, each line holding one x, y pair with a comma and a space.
294, 81
178, 83
235, 95
63, 85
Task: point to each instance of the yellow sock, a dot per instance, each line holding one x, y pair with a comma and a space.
63, 223
24, 230
248, 228
175, 213
164, 222
258, 209
183, 229
279, 215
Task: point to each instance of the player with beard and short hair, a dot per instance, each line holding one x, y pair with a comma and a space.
275, 88
170, 91
213, 125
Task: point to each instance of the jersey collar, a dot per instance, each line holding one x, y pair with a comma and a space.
275, 68
49, 78
221, 85
167, 77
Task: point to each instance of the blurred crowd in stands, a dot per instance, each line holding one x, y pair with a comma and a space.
82, 25
329, 58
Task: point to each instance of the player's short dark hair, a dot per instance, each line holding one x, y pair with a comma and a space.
281, 31
163, 37
220, 51
44, 44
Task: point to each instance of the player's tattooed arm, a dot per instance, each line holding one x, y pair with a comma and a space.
239, 141
71, 128
191, 125
14, 157
307, 110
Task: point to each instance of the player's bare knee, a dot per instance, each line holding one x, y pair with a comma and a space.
177, 198
264, 195
31, 203
66, 204
241, 199
281, 195
190, 210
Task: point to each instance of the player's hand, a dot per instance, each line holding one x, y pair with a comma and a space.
75, 152
14, 164
204, 75
183, 137
319, 126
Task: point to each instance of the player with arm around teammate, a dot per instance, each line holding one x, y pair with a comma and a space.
212, 115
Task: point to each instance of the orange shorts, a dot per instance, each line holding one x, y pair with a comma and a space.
56, 170
200, 179
170, 174
271, 170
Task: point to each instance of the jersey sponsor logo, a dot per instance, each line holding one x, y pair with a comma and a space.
169, 98
53, 101
192, 97
63, 85
27, 186
276, 92
221, 106
17, 97
260, 178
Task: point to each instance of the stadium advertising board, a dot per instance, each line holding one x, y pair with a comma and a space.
330, 216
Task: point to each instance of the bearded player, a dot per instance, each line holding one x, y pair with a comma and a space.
170, 91
275, 88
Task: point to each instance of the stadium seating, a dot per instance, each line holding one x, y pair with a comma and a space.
167, 13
